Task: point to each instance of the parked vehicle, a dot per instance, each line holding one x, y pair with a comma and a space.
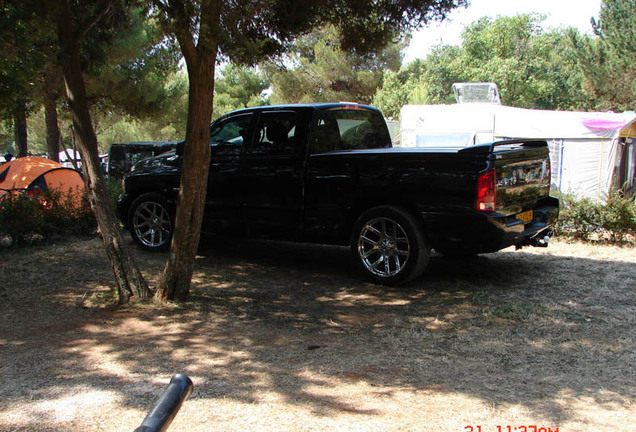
326, 173
122, 156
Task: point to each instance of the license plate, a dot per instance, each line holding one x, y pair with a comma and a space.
526, 216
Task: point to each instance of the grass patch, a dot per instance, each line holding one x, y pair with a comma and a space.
506, 308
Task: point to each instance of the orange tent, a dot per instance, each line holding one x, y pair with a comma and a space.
32, 174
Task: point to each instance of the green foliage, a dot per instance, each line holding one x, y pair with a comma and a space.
318, 69
440, 71
608, 60
134, 69
114, 190
24, 217
391, 96
239, 87
532, 68
584, 219
619, 217
20, 216
20, 58
130, 70
577, 218
526, 63
250, 31
561, 83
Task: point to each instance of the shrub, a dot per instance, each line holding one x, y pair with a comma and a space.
114, 189
24, 217
20, 215
618, 217
583, 219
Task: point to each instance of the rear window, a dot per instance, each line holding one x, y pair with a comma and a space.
444, 140
342, 129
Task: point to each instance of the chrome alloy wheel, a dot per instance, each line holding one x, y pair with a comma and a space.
383, 247
151, 223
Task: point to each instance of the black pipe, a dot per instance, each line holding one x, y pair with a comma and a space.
167, 405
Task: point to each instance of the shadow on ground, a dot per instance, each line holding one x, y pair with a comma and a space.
295, 321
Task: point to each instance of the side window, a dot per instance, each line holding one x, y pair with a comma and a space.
228, 137
275, 134
349, 129
326, 134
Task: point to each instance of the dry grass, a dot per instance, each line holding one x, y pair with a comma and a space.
281, 337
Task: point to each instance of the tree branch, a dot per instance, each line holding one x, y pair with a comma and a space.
104, 8
175, 19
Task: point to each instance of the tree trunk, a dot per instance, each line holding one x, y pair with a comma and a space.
130, 281
177, 275
20, 128
53, 135
200, 59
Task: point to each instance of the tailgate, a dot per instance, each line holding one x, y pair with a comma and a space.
521, 174
512, 201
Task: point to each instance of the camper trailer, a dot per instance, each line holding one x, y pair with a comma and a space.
592, 153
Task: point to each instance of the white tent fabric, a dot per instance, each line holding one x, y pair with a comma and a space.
559, 124
428, 120
70, 159
585, 147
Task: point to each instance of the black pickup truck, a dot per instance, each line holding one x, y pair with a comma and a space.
327, 173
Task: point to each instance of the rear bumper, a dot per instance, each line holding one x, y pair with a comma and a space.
480, 232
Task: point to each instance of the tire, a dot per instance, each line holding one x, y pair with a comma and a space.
389, 246
151, 222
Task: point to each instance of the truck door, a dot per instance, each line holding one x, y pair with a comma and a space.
332, 177
226, 185
272, 166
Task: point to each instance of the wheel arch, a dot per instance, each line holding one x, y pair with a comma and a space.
366, 203
365, 249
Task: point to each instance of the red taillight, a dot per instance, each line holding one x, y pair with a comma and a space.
486, 191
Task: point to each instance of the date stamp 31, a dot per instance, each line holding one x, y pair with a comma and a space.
509, 428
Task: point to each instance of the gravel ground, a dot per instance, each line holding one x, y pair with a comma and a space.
282, 337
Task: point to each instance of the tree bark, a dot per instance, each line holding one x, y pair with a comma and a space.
130, 281
53, 135
200, 60
20, 128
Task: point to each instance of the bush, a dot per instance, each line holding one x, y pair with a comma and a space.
583, 219
25, 217
114, 189
19, 216
619, 217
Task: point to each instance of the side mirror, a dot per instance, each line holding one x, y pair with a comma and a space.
179, 149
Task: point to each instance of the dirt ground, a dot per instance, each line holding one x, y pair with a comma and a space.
281, 337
